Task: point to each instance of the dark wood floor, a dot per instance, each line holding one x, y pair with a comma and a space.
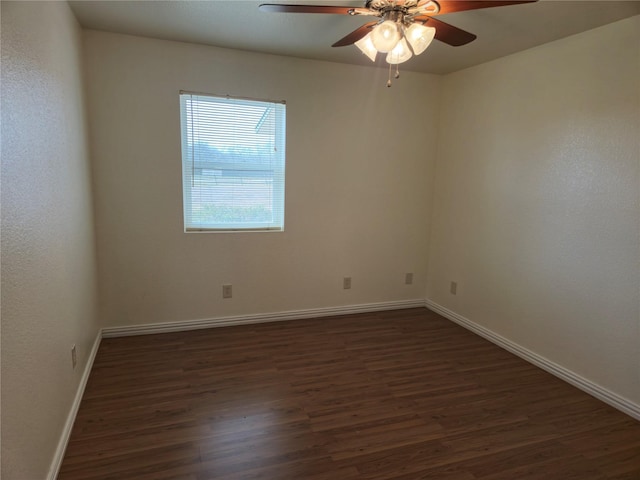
402, 395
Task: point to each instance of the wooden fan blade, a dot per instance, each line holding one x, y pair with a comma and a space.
451, 6
354, 36
279, 8
446, 33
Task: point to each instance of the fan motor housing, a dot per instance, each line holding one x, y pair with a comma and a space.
404, 7
383, 5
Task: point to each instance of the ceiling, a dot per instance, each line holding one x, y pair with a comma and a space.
240, 25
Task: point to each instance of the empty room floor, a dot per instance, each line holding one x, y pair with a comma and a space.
402, 394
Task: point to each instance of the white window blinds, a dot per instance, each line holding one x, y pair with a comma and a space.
233, 163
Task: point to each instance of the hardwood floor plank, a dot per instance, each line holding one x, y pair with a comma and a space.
602, 441
396, 395
374, 439
402, 460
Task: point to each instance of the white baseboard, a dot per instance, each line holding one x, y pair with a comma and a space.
624, 405
71, 418
178, 326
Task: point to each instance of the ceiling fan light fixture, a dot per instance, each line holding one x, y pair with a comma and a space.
400, 53
419, 37
366, 46
385, 36
399, 30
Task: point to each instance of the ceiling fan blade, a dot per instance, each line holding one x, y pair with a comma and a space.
451, 6
279, 8
446, 33
356, 35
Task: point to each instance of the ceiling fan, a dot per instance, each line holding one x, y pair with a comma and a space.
403, 28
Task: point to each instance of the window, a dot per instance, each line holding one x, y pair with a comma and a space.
233, 159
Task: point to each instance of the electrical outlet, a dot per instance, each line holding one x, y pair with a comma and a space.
74, 356
408, 278
346, 283
453, 288
227, 291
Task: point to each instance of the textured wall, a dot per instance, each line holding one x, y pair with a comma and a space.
536, 211
48, 258
357, 194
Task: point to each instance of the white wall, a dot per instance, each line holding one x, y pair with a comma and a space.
48, 258
359, 160
536, 210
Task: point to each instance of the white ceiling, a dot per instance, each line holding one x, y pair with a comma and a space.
239, 24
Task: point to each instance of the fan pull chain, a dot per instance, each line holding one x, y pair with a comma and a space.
396, 75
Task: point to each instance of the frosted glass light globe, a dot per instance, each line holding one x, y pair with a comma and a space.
366, 46
385, 36
401, 53
419, 37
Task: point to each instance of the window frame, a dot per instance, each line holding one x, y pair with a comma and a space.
279, 168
